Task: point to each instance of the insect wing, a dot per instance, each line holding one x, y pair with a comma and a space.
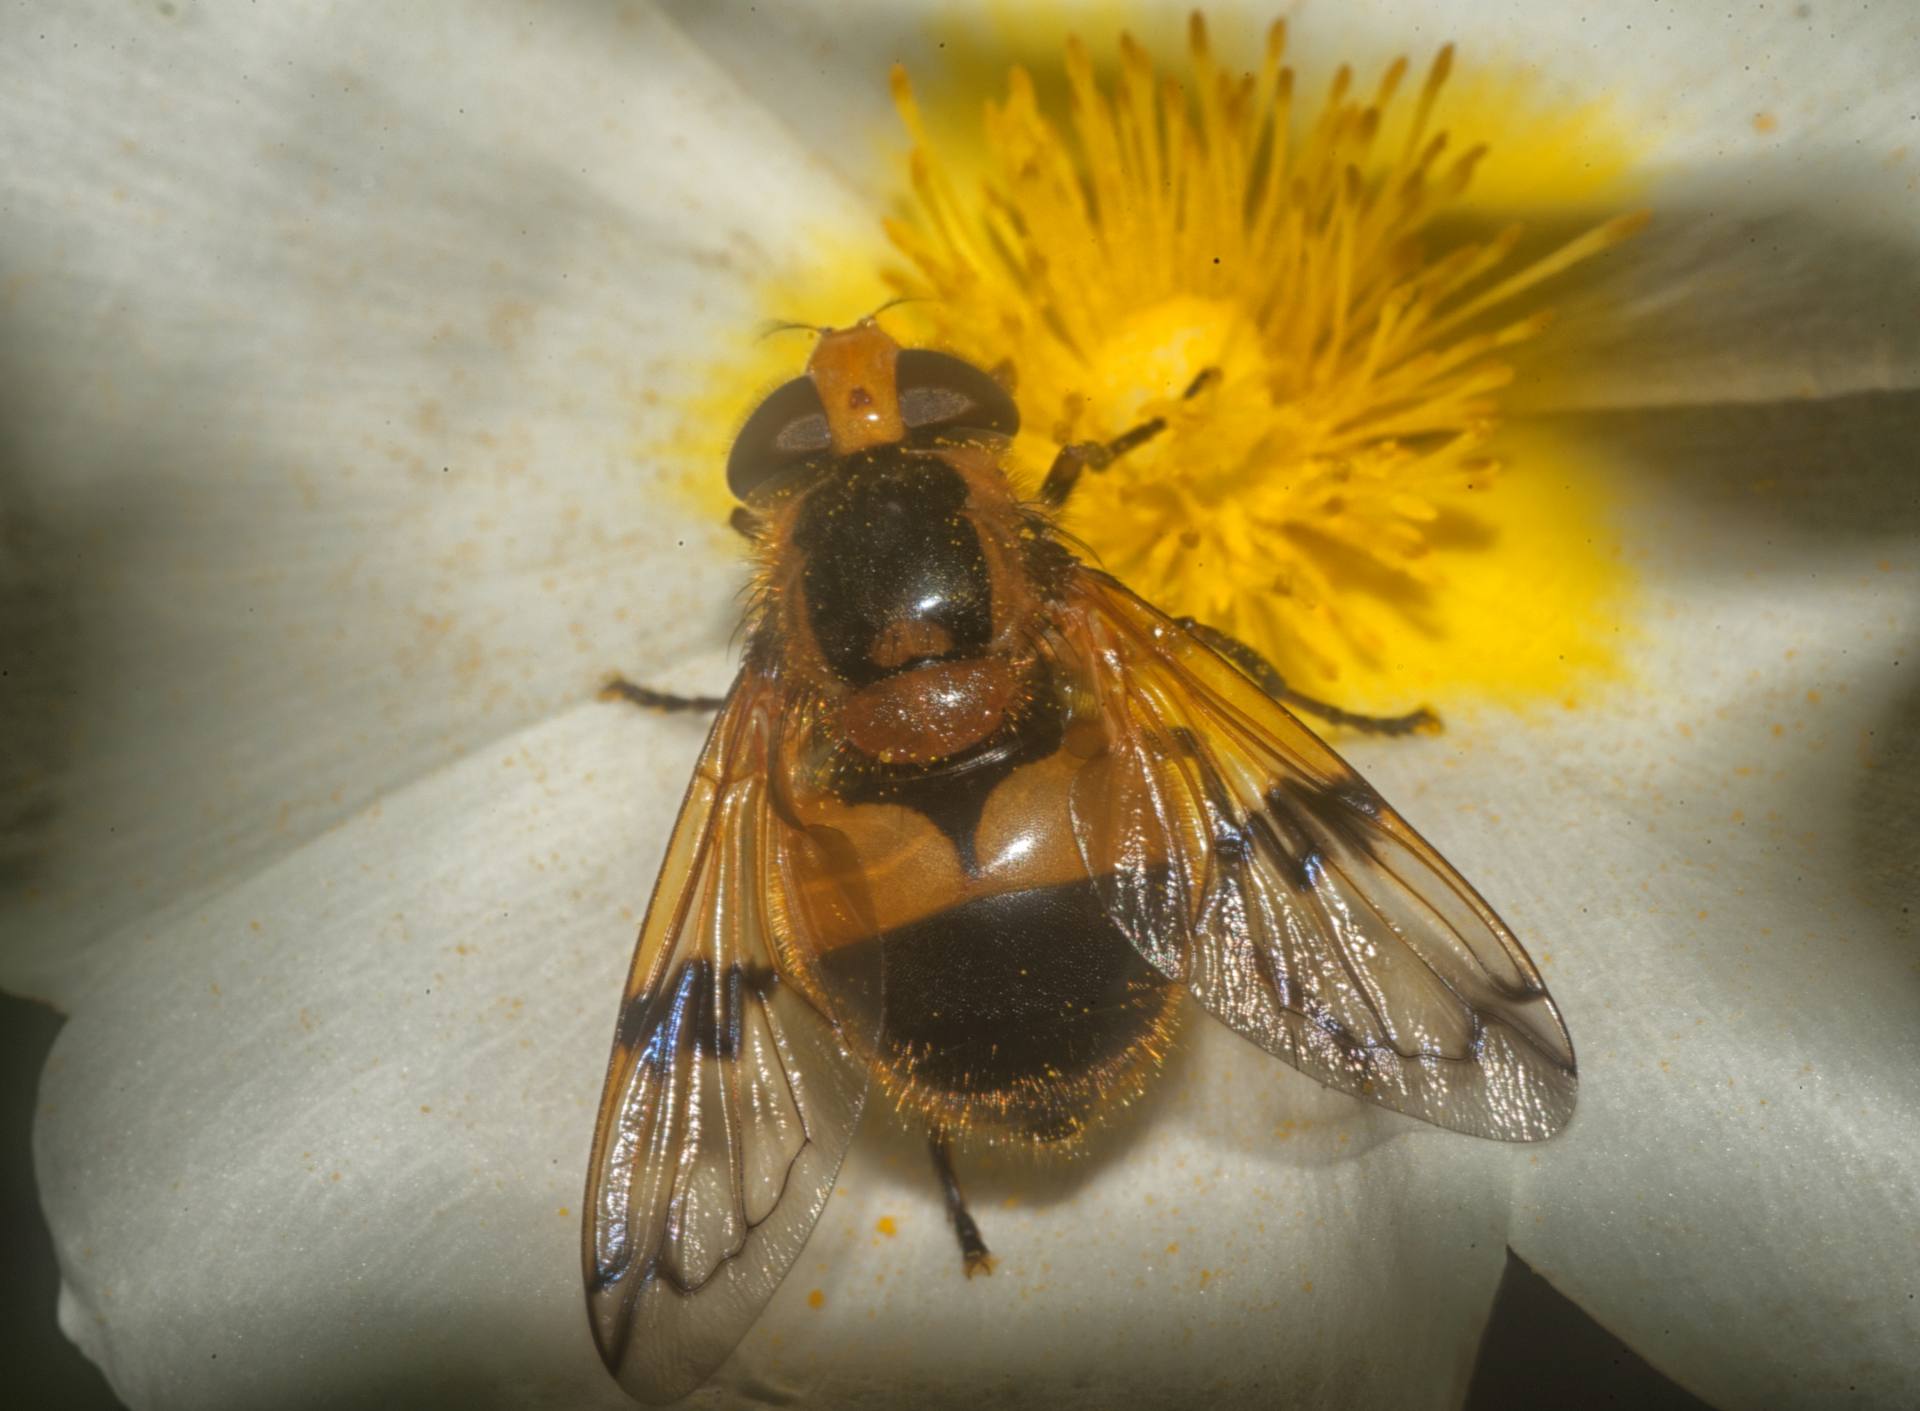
732, 1091
1246, 859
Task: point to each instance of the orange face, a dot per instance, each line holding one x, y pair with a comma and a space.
853, 371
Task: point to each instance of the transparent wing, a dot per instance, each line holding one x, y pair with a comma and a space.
1246, 859
732, 1090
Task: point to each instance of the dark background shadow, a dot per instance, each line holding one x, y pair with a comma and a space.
43, 1369
38, 637
1791, 472
1727, 294
1541, 1351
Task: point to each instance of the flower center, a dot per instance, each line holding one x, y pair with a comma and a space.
1304, 497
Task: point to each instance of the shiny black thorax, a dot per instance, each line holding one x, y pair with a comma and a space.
887, 546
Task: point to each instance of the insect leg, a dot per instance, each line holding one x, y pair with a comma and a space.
621, 689
744, 522
973, 1249
1064, 474
1268, 678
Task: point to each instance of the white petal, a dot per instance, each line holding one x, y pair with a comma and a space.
323, 1140
348, 333
1715, 864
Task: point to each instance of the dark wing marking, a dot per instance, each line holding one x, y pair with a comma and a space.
1245, 858
732, 1090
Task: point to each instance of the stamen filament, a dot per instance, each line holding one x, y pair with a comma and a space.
1180, 223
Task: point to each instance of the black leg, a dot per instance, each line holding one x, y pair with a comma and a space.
973, 1249
621, 689
1098, 455
1269, 679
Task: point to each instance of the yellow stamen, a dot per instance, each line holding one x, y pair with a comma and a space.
1337, 495
1306, 498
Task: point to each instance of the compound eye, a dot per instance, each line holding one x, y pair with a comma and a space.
941, 392
790, 427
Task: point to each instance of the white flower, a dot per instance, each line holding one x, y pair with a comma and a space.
332, 333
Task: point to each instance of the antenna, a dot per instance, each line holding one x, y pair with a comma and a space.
895, 302
774, 326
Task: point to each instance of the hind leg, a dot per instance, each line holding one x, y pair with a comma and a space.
973, 1250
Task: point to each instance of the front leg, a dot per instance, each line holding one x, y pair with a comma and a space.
1268, 678
1098, 455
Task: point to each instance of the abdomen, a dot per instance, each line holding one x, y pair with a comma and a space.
1012, 1007
1020, 1013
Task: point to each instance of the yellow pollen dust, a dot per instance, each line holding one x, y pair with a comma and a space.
1332, 492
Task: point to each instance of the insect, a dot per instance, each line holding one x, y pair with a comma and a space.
973, 825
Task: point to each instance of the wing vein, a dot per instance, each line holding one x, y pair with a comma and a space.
1325, 930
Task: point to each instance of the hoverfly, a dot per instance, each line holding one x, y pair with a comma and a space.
971, 825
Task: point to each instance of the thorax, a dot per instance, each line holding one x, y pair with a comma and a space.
902, 592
